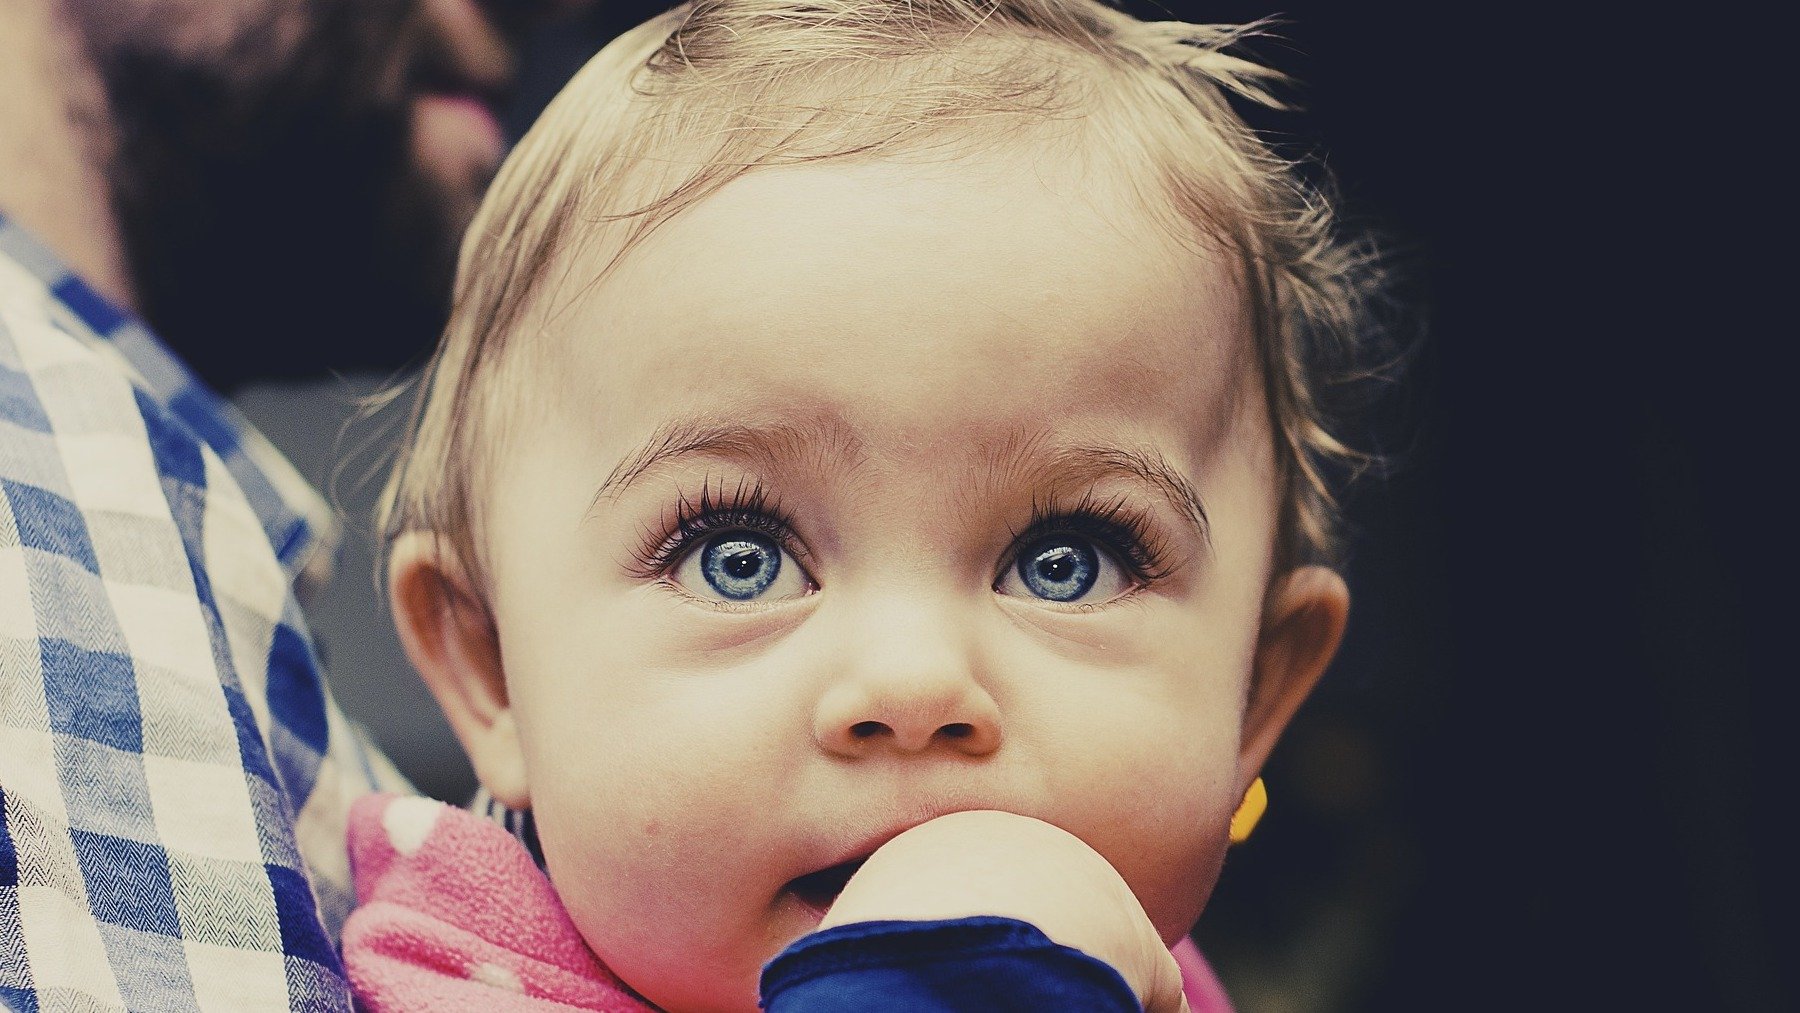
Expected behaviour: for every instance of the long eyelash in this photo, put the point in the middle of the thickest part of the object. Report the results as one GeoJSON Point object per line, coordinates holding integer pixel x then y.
{"type": "Point", "coordinates": [1118, 524]}
{"type": "Point", "coordinates": [747, 507]}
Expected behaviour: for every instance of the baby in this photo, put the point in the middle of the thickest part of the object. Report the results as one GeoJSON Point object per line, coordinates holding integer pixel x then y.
{"type": "Point", "coordinates": [874, 475]}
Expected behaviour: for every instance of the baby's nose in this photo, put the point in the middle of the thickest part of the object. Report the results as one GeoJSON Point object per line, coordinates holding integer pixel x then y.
{"type": "Point", "coordinates": [861, 717]}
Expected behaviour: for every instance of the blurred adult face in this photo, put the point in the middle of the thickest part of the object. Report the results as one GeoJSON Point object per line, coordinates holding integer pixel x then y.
{"type": "Point", "coordinates": [291, 176]}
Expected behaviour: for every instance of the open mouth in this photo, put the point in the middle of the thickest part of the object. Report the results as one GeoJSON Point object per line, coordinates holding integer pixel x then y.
{"type": "Point", "coordinates": [467, 115]}
{"type": "Point", "coordinates": [819, 890]}
{"type": "Point", "coordinates": [458, 79]}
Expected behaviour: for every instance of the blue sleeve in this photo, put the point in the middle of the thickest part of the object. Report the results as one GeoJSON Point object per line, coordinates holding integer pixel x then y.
{"type": "Point", "coordinates": [985, 963]}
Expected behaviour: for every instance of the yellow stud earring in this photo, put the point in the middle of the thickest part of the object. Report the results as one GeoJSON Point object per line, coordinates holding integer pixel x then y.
{"type": "Point", "coordinates": [1256, 799]}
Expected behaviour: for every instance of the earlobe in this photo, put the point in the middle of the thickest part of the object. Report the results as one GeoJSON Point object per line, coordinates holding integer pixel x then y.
{"type": "Point", "coordinates": [449, 635]}
{"type": "Point", "coordinates": [1302, 625]}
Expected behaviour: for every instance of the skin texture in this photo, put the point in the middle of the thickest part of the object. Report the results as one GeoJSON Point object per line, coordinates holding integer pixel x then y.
{"type": "Point", "coordinates": [907, 358]}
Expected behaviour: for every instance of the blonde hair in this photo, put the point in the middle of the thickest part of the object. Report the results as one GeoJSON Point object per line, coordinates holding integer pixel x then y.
{"type": "Point", "coordinates": [678, 107]}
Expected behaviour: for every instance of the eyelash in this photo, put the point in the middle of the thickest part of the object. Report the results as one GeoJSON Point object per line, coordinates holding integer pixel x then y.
{"type": "Point", "coordinates": [1126, 531]}
{"type": "Point", "coordinates": [748, 507]}
{"type": "Point", "coordinates": [1116, 524]}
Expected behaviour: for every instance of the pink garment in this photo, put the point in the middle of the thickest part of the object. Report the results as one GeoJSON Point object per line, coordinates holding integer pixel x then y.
{"type": "Point", "coordinates": [453, 915]}
{"type": "Point", "coordinates": [1198, 982]}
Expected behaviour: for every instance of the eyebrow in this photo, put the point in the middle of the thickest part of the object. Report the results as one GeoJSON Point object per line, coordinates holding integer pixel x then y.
{"type": "Point", "coordinates": [1081, 465]}
{"type": "Point", "coordinates": [763, 444]}
{"type": "Point", "coordinates": [769, 444]}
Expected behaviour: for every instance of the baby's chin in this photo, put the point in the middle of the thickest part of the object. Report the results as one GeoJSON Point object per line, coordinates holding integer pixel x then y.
{"type": "Point", "coordinates": [688, 989]}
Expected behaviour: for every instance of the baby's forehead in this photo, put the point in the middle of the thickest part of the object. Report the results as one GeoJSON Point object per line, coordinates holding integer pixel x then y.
{"type": "Point", "coordinates": [845, 291]}
{"type": "Point", "coordinates": [933, 301]}
{"type": "Point", "coordinates": [1018, 229]}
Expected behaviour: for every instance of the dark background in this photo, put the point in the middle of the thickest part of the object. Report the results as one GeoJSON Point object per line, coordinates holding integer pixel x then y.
{"type": "Point", "coordinates": [1544, 772]}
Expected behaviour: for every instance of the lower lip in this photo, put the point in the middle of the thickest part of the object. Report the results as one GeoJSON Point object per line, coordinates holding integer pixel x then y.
{"type": "Point", "coordinates": [812, 907]}
{"type": "Point", "coordinates": [466, 118]}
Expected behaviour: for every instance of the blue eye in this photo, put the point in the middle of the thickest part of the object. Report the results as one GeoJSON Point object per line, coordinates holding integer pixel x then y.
{"type": "Point", "coordinates": [1063, 568]}
{"type": "Point", "coordinates": [740, 566]}
{"type": "Point", "coordinates": [1059, 569]}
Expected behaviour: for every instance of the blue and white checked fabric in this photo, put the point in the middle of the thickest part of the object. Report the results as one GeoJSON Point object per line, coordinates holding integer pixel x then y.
{"type": "Point", "coordinates": [174, 776]}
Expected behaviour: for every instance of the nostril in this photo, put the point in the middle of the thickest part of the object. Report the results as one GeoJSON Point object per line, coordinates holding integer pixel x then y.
{"type": "Point", "coordinates": [867, 729]}
{"type": "Point", "coordinates": [957, 730]}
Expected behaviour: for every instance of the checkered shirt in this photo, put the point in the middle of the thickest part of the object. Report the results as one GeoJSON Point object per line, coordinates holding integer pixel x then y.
{"type": "Point", "coordinates": [174, 777]}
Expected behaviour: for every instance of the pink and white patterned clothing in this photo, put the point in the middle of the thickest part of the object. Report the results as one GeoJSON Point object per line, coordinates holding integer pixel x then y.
{"type": "Point", "coordinates": [455, 915]}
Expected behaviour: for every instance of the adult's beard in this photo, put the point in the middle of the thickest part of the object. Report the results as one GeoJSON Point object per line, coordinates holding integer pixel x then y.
{"type": "Point", "coordinates": [274, 222]}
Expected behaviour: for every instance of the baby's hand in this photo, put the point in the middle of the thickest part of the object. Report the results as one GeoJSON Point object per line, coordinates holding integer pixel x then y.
{"type": "Point", "coordinates": [998, 863]}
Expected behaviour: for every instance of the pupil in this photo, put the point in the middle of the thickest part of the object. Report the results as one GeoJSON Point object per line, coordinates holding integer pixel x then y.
{"type": "Point", "coordinates": [1060, 568]}
{"type": "Point", "coordinates": [743, 563]}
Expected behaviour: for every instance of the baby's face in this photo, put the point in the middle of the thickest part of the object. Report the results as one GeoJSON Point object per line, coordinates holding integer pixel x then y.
{"type": "Point", "coordinates": [864, 493]}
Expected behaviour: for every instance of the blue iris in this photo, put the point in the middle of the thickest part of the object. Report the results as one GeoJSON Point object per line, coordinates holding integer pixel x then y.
{"type": "Point", "coordinates": [1059, 568]}
{"type": "Point", "coordinates": [740, 565]}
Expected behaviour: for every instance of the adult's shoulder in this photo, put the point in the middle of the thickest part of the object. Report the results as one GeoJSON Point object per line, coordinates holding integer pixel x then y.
{"type": "Point", "coordinates": [173, 774]}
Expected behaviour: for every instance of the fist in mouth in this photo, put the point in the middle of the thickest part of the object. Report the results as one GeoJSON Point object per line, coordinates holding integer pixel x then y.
{"type": "Point", "coordinates": [998, 863]}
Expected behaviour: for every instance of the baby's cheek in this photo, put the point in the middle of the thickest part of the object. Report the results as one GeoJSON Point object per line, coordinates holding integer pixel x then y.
{"type": "Point", "coordinates": [1171, 869]}
{"type": "Point", "coordinates": [633, 933]}
{"type": "Point", "coordinates": [1166, 833]}
{"type": "Point", "coordinates": [659, 869]}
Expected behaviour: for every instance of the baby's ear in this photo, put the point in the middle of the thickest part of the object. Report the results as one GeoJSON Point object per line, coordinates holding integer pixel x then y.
{"type": "Point", "coordinates": [449, 634]}
{"type": "Point", "coordinates": [1302, 623]}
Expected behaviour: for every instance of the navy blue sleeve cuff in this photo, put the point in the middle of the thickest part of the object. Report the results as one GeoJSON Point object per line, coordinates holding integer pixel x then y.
{"type": "Point", "coordinates": [984, 963]}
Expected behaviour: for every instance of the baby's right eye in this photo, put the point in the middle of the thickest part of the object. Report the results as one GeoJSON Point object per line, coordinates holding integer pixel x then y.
{"type": "Point", "coordinates": [741, 566]}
